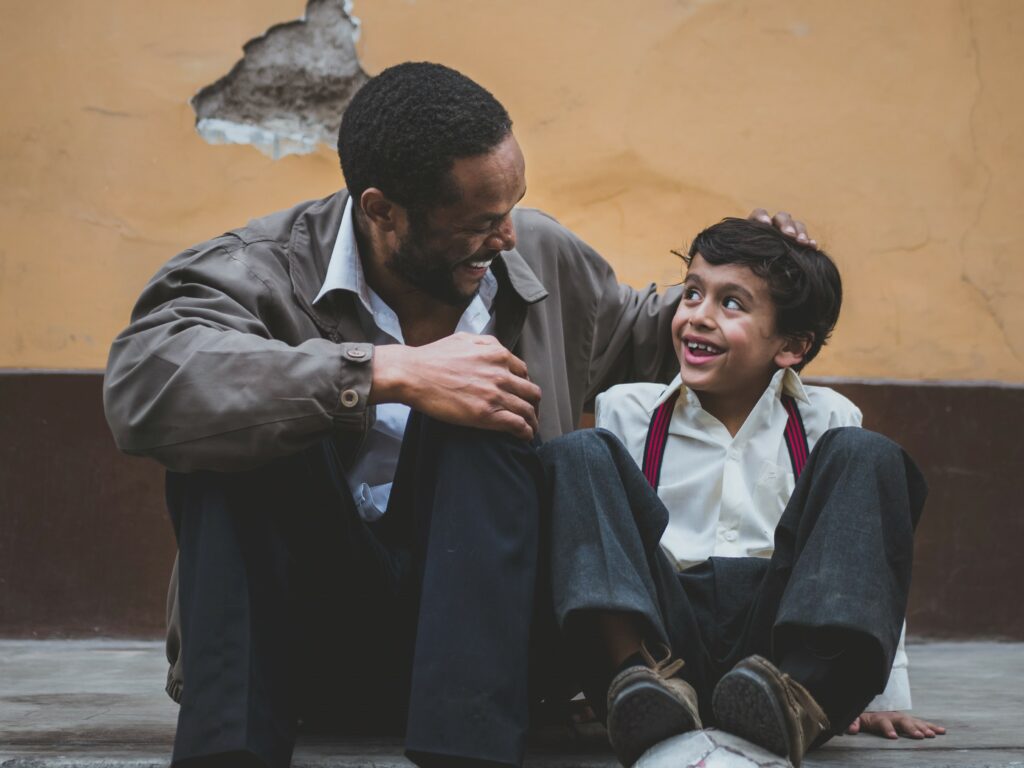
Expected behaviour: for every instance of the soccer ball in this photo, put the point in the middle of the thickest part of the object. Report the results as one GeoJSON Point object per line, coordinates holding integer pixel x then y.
{"type": "Point", "coordinates": [709, 749]}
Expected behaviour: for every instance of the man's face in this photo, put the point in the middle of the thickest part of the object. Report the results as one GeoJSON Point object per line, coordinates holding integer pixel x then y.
{"type": "Point", "coordinates": [724, 331]}
{"type": "Point", "coordinates": [446, 252]}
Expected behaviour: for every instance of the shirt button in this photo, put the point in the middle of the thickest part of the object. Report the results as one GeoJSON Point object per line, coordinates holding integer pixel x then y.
{"type": "Point", "coordinates": [730, 535]}
{"type": "Point", "coordinates": [734, 453]}
{"type": "Point", "coordinates": [349, 398]}
{"type": "Point", "coordinates": [356, 354]}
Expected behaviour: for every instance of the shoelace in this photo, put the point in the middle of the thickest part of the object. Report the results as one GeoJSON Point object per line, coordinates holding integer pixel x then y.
{"type": "Point", "coordinates": [665, 668]}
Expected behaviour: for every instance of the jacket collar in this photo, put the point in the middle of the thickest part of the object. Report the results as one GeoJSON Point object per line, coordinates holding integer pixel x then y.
{"type": "Point", "coordinates": [309, 254]}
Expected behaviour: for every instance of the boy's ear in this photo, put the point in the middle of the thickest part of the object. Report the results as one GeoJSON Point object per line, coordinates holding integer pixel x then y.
{"type": "Point", "coordinates": [792, 352]}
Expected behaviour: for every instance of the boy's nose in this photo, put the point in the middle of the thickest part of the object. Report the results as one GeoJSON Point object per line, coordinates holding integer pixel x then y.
{"type": "Point", "coordinates": [701, 316]}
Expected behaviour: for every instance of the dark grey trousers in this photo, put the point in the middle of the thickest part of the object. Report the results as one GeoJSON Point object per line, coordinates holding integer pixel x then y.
{"type": "Point", "coordinates": [843, 552]}
{"type": "Point", "coordinates": [293, 607]}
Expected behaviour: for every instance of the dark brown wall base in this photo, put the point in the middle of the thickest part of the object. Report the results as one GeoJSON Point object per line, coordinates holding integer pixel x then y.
{"type": "Point", "coordinates": [86, 546]}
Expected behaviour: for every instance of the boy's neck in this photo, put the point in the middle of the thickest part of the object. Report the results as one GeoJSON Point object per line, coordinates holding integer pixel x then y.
{"type": "Point", "coordinates": [732, 408]}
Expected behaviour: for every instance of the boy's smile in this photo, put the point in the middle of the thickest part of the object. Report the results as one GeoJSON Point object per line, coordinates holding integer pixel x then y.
{"type": "Point", "coordinates": [726, 339]}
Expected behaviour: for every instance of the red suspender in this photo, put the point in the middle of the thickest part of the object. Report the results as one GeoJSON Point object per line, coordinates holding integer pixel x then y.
{"type": "Point", "coordinates": [796, 437]}
{"type": "Point", "coordinates": [657, 437]}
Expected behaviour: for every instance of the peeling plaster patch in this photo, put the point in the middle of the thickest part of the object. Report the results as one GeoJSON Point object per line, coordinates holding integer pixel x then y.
{"type": "Point", "coordinates": [291, 86]}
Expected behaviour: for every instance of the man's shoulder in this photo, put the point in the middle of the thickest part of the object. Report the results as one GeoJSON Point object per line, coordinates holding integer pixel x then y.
{"type": "Point", "coordinates": [263, 242]}
{"type": "Point", "coordinates": [541, 239]}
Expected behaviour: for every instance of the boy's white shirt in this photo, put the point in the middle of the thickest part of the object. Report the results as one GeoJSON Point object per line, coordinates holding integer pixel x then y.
{"type": "Point", "coordinates": [725, 494]}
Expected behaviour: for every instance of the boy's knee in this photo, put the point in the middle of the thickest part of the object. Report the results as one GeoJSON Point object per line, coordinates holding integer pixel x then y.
{"type": "Point", "coordinates": [857, 443]}
{"type": "Point", "coordinates": [584, 444]}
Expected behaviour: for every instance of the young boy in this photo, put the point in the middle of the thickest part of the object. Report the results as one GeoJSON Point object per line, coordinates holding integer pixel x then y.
{"type": "Point", "coordinates": [733, 549]}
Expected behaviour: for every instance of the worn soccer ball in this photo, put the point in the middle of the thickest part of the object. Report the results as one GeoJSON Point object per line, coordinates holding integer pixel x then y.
{"type": "Point", "coordinates": [709, 749]}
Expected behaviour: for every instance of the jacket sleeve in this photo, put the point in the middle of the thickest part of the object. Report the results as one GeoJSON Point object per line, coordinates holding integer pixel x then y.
{"type": "Point", "coordinates": [632, 336]}
{"type": "Point", "coordinates": [197, 382]}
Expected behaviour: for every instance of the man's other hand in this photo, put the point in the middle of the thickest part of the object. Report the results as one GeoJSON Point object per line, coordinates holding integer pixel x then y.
{"type": "Point", "coordinates": [892, 725]}
{"type": "Point", "coordinates": [785, 223]}
{"type": "Point", "coordinates": [461, 379]}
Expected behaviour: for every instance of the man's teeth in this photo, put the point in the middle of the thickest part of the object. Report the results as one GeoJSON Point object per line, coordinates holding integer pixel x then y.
{"type": "Point", "coordinates": [480, 264]}
{"type": "Point", "coordinates": [705, 347]}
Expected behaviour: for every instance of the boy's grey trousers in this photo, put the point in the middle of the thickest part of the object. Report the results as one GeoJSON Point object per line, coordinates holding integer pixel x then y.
{"type": "Point", "coordinates": [842, 561]}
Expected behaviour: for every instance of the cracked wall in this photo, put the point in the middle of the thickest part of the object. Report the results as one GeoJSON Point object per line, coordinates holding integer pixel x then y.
{"type": "Point", "coordinates": [288, 91]}
{"type": "Point", "coordinates": [896, 129]}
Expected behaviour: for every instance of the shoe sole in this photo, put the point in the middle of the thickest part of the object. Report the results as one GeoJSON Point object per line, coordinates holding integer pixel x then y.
{"type": "Point", "coordinates": [745, 706]}
{"type": "Point", "coordinates": [644, 715]}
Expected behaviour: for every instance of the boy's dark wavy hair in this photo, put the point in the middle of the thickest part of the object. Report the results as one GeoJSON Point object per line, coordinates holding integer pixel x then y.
{"type": "Point", "coordinates": [802, 280]}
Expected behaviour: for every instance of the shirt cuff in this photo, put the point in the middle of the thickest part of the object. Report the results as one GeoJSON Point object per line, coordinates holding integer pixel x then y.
{"type": "Point", "coordinates": [896, 696]}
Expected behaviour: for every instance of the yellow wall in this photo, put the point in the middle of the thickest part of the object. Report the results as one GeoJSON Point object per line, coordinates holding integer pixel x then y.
{"type": "Point", "coordinates": [895, 128]}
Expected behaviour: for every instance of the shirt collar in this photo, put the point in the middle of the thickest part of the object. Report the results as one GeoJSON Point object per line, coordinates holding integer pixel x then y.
{"type": "Point", "coordinates": [784, 381]}
{"type": "Point", "coordinates": [345, 270]}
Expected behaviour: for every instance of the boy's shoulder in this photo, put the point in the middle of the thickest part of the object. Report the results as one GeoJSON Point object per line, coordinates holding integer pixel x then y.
{"type": "Point", "coordinates": [643, 393]}
{"type": "Point", "coordinates": [627, 406]}
{"type": "Point", "coordinates": [836, 409]}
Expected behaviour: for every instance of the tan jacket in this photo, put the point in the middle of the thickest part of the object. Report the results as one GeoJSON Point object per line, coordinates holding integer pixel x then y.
{"type": "Point", "coordinates": [227, 364]}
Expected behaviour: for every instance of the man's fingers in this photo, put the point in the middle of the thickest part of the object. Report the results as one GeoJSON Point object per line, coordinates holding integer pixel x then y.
{"type": "Point", "coordinates": [507, 421]}
{"type": "Point", "coordinates": [523, 410]}
{"type": "Point", "coordinates": [784, 223]}
{"type": "Point", "coordinates": [760, 214]}
{"type": "Point", "coordinates": [517, 366]}
{"type": "Point", "coordinates": [523, 389]}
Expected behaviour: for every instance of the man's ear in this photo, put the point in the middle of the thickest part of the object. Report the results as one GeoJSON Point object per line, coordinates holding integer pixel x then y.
{"type": "Point", "coordinates": [378, 210]}
{"type": "Point", "coordinates": [793, 350]}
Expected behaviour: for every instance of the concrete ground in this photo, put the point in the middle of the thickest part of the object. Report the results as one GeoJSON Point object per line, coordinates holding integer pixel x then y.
{"type": "Point", "coordinates": [101, 703]}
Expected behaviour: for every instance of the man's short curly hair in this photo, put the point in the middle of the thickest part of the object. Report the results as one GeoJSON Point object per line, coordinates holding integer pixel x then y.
{"type": "Point", "coordinates": [803, 281]}
{"type": "Point", "coordinates": [405, 128]}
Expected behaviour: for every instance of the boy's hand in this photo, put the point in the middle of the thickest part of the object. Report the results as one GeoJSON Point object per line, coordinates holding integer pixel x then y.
{"type": "Point", "coordinates": [785, 223]}
{"type": "Point", "coordinates": [892, 724]}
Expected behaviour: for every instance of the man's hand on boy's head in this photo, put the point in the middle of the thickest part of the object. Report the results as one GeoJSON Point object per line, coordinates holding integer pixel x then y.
{"type": "Point", "coordinates": [785, 223]}
{"type": "Point", "coordinates": [892, 725]}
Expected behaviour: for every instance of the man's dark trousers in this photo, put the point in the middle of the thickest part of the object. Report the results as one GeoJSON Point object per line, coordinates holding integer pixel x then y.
{"type": "Point", "coordinates": [294, 608]}
{"type": "Point", "coordinates": [841, 564]}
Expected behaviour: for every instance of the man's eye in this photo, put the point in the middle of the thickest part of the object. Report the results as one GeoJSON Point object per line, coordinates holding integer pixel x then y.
{"type": "Point", "coordinates": [731, 303]}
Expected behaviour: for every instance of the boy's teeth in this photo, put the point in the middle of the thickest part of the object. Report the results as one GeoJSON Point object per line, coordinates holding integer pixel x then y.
{"type": "Point", "coordinates": [695, 345]}
{"type": "Point", "coordinates": [481, 264]}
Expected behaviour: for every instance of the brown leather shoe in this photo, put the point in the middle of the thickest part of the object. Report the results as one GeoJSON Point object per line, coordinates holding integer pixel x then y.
{"type": "Point", "coordinates": [761, 704]}
{"type": "Point", "coordinates": [647, 705]}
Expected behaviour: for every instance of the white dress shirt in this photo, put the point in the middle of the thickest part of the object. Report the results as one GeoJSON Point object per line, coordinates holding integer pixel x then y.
{"type": "Point", "coordinates": [372, 472]}
{"type": "Point", "coordinates": [724, 493]}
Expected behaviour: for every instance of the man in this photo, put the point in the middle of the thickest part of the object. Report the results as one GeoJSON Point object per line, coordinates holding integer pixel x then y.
{"type": "Point", "coordinates": [272, 370]}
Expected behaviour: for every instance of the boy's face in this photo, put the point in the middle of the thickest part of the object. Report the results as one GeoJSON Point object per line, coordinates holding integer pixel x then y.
{"type": "Point", "coordinates": [724, 332]}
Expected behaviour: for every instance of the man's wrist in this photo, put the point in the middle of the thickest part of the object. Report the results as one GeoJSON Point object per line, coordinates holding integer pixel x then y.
{"type": "Point", "coordinates": [390, 383]}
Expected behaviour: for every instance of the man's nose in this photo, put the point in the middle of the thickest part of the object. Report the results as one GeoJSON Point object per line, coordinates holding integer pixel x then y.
{"type": "Point", "coordinates": [504, 236]}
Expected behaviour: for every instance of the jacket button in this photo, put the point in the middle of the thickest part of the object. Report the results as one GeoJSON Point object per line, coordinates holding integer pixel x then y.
{"type": "Point", "coordinates": [356, 354]}
{"type": "Point", "coordinates": [349, 398]}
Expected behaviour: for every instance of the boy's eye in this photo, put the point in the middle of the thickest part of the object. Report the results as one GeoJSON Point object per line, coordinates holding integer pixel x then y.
{"type": "Point", "coordinates": [732, 303]}
{"type": "Point", "coordinates": [690, 293]}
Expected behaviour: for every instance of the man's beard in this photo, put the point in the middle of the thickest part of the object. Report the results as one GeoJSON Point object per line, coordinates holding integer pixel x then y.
{"type": "Point", "coordinates": [429, 273]}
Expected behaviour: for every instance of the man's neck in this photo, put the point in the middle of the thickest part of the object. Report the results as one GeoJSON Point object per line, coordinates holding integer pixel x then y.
{"type": "Point", "coordinates": [423, 319]}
